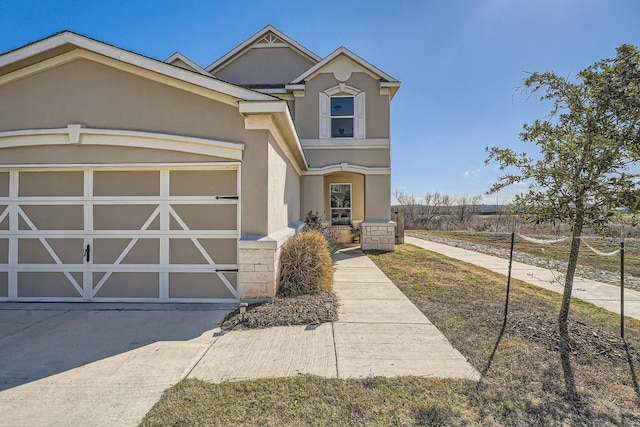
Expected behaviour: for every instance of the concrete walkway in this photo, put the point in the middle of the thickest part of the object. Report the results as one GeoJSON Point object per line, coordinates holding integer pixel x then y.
{"type": "Point", "coordinates": [380, 333]}
{"type": "Point", "coordinates": [599, 294]}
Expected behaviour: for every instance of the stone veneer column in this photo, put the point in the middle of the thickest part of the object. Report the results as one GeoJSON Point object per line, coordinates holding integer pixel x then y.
{"type": "Point", "coordinates": [378, 235]}
{"type": "Point", "coordinates": [258, 262]}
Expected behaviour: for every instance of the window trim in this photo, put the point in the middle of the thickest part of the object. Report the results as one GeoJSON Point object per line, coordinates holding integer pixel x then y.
{"type": "Point", "coordinates": [350, 208]}
{"type": "Point", "coordinates": [359, 111]}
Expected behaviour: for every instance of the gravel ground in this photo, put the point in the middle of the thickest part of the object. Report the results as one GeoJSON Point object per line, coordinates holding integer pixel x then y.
{"type": "Point", "coordinates": [559, 266]}
{"type": "Point", "coordinates": [284, 311]}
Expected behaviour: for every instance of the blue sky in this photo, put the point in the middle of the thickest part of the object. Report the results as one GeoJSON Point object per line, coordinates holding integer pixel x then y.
{"type": "Point", "coordinates": [460, 61]}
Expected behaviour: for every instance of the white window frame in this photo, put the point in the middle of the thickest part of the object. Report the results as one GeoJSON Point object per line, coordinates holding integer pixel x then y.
{"type": "Point", "coordinates": [359, 111]}
{"type": "Point", "coordinates": [350, 208]}
{"type": "Point", "coordinates": [352, 117]}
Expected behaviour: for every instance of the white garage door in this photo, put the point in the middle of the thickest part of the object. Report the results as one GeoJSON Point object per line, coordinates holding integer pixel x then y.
{"type": "Point", "coordinates": [161, 234]}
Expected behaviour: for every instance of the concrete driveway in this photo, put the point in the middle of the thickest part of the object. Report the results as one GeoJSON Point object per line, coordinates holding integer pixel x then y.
{"type": "Point", "coordinates": [95, 367]}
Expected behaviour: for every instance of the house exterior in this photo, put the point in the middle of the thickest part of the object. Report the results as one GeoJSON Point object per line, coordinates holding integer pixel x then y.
{"type": "Point", "coordinates": [124, 178]}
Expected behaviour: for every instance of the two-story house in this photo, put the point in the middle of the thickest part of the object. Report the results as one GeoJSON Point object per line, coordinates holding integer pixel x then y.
{"type": "Point", "coordinates": [124, 178]}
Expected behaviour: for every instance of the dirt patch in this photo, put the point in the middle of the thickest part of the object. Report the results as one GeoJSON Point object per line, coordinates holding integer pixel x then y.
{"type": "Point", "coordinates": [588, 343]}
{"type": "Point", "coordinates": [284, 311]}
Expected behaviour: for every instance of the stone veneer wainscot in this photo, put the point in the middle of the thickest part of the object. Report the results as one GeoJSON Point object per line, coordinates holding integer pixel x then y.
{"type": "Point", "coordinates": [378, 235]}
{"type": "Point", "coordinates": [258, 263]}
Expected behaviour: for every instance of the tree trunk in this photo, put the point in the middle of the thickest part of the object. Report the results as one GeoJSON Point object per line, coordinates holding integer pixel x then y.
{"type": "Point", "coordinates": [571, 267]}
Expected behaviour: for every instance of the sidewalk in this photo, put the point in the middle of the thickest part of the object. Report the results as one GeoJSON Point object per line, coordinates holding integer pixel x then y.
{"type": "Point", "coordinates": [380, 333]}
{"type": "Point", "coordinates": [599, 294]}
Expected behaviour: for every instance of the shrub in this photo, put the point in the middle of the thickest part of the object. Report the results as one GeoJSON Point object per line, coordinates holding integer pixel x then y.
{"type": "Point", "coordinates": [313, 223]}
{"type": "Point", "coordinates": [305, 265]}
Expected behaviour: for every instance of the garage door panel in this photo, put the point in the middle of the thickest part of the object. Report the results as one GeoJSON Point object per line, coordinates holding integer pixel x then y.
{"type": "Point", "coordinates": [143, 251]}
{"type": "Point", "coordinates": [4, 251]}
{"type": "Point", "coordinates": [107, 251]}
{"type": "Point", "coordinates": [126, 183]}
{"type": "Point", "coordinates": [204, 217]}
{"type": "Point", "coordinates": [69, 251]}
{"type": "Point", "coordinates": [200, 285]}
{"type": "Point", "coordinates": [222, 251]}
{"type": "Point", "coordinates": [38, 284]}
{"type": "Point", "coordinates": [129, 285]}
{"type": "Point", "coordinates": [203, 183]}
{"type": "Point", "coordinates": [155, 224]}
{"type": "Point", "coordinates": [122, 217]}
{"type": "Point", "coordinates": [33, 251]}
{"type": "Point", "coordinates": [51, 184]}
{"type": "Point", "coordinates": [4, 184]}
{"type": "Point", "coordinates": [4, 284]}
{"type": "Point", "coordinates": [4, 217]}
{"type": "Point", "coordinates": [37, 251]}
{"type": "Point", "coordinates": [184, 251]}
{"type": "Point", "coordinates": [52, 217]}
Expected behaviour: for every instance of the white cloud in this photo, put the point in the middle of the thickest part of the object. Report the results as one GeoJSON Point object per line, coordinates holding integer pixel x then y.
{"type": "Point", "coordinates": [475, 173]}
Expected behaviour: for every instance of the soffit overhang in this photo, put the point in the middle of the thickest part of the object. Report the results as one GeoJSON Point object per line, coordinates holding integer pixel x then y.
{"type": "Point", "coordinates": [275, 117]}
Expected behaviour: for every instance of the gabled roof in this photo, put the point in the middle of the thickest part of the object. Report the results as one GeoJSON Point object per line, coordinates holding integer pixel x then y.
{"type": "Point", "coordinates": [67, 38]}
{"type": "Point", "coordinates": [254, 39]}
{"type": "Point", "coordinates": [178, 57]}
{"type": "Point", "coordinates": [346, 52]}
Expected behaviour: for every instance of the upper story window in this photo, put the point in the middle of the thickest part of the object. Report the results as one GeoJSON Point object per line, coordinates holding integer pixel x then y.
{"type": "Point", "coordinates": [342, 116]}
{"type": "Point", "coordinates": [342, 113]}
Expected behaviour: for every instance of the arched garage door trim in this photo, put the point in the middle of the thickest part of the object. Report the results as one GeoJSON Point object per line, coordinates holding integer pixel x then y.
{"type": "Point", "coordinates": [155, 232]}
{"type": "Point", "coordinates": [77, 134]}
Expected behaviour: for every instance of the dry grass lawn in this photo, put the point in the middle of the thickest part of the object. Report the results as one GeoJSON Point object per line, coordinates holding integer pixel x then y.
{"type": "Point", "coordinates": [529, 379]}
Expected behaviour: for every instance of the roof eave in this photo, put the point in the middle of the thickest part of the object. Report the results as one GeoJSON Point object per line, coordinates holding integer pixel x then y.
{"type": "Point", "coordinates": [189, 62]}
{"type": "Point", "coordinates": [132, 58]}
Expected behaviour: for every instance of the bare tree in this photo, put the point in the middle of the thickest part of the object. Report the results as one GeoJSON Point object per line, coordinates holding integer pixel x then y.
{"type": "Point", "coordinates": [467, 207]}
{"type": "Point", "coordinates": [409, 205]}
{"type": "Point", "coordinates": [435, 204]}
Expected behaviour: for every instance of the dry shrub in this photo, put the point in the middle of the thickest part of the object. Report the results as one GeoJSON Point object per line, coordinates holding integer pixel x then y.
{"type": "Point", "coordinates": [305, 265]}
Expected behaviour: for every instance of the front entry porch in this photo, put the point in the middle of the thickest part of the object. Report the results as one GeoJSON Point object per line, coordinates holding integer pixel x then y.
{"type": "Point", "coordinates": [350, 201]}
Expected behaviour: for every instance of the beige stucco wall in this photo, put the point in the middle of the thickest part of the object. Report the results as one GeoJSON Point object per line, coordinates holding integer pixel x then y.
{"type": "Point", "coordinates": [312, 196]}
{"type": "Point", "coordinates": [255, 190]}
{"type": "Point", "coordinates": [378, 197]}
{"type": "Point", "coordinates": [99, 96]}
{"type": "Point", "coordinates": [378, 157]}
{"type": "Point", "coordinates": [357, 193]}
{"type": "Point", "coordinates": [284, 190]}
{"type": "Point", "coordinates": [103, 97]}
{"type": "Point", "coordinates": [265, 66]}
{"type": "Point", "coordinates": [376, 107]}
